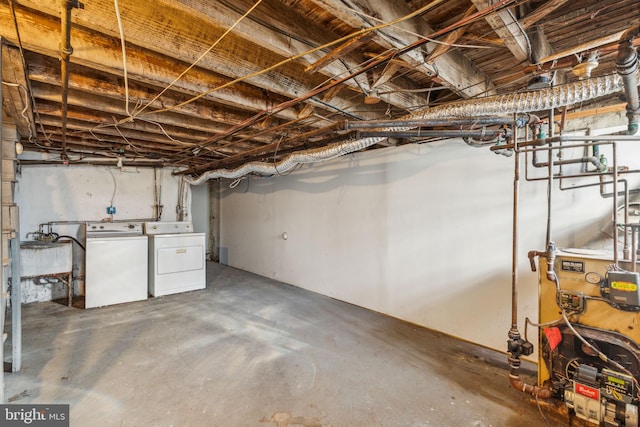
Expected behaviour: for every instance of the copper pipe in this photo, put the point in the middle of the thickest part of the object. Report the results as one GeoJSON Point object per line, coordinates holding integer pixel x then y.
{"type": "Point", "coordinates": [514, 248]}
{"type": "Point", "coordinates": [519, 384]}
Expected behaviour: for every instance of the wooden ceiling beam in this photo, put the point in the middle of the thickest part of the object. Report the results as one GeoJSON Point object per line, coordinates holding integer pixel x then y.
{"type": "Point", "coordinates": [88, 128]}
{"type": "Point", "coordinates": [340, 52]}
{"type": "Point", "coordinates": [508, 29]}
{"type": "Point", "coordinates": [41, 33]}
{"type": "Point", "coordinates": [15, 90]}
{"type": "Point", "coordinates": [452, 69]}
{"type": "Point", "coordinates": [91, 120]}
{"type": "Point", "coordinates": [133, 149]}
{"type": "Point", "coordinates": [116, 110]}
{"type": "Point", "coordinates": [450, 38]}
{"type": "Point", "coordinates": [263, 27]}
{"type": "Point", "coordinates": [147, 27]}
{"type": "Point", "coordinates": [108, 86]}
{"type": "Point", "coordinates": [584, 47]}
{"type": "Point", "coordinates": [540, 13]}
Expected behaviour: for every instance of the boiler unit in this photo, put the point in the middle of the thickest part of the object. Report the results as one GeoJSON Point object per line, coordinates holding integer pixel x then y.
{"type": "Point", "coordinates": [589, 352]}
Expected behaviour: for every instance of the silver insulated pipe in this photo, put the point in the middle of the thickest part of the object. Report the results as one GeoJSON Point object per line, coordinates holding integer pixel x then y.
{"type": "Point", "coordinates": [524, 102]}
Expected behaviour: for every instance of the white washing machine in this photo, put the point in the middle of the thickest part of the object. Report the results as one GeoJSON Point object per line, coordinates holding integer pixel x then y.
{"type": "Point", "coordinates": [116, 269]}
{"type": "Point", "coordinates": [176, 258]}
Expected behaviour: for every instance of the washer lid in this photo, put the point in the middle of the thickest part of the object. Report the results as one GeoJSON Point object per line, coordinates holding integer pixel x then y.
{"type": "Point", "coordinates": [167, 227]}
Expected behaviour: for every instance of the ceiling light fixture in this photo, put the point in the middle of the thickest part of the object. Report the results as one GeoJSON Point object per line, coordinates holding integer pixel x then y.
{"type": "Point", "coordinates": [19, 148]}
{"type": "Point", "coordinates": [583, 69]}
{"type": "Point", "coordinates": [372, 97]}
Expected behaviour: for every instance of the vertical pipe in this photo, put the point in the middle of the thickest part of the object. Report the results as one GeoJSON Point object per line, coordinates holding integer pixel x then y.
{"type": "Point", "coordinates": [550, 173]}
{"type": "Point", "coordinates": [156, 204]}
{"type": "Point", "coordinates": [514, 249]}
{"type": "Point", "coordinates": [625, 249]}
{"type": "Point", "coordinates": [2, 271]}
{"type": "Point", "coordinates": [634, 250]}
{"type": "Point", "coordinates": [16, 297]}
{"type": "Point", "coordinates": [616, 255]}
{"type": "Point", "coordinates": [65, 52]}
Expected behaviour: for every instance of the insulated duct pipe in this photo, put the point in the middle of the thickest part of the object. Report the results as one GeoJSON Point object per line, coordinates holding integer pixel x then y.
{"type": "Point", "coordinates": [627, 66]}
{"type": "Point", "coordinates": [446, 133]}
{"type": "Point", "coordinates": [543, 99]}
{"type": "Point", "coordinates": [183, 208]}
{"type": "Point", "coordinates": [477, 121]}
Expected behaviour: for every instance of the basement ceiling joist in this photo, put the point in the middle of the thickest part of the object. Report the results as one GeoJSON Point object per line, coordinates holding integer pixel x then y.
{"type": "Point", "coordinates": [218, 84]}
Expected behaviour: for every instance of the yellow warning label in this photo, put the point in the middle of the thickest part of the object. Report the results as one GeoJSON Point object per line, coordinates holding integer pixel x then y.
{"type": "Point", "coordinates": [624, 286]}
{"type": "Point", "coordinates": [615, 380]}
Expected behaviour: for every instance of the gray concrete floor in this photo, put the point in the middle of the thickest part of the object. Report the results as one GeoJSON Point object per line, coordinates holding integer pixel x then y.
{"type": "Point", "coordinates": [250, 351]}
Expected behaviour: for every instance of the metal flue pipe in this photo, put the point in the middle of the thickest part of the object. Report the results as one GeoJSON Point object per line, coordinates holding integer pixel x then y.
{"type": "Point", "coordinates": [627, 66]}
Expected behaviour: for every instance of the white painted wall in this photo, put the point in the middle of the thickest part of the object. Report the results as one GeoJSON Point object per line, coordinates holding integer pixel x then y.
{"type": "Point", "coordinates": [82, 193]}
{"type": "Point", "coordinates": [420, 232]}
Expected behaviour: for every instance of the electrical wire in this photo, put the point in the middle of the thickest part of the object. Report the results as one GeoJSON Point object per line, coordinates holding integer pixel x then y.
{"type": "Point", "coordinates": [236, 182]}
{"type": "Point", "coordinates": [275, 153]}
{"type": "Point", "coordinates": [522, 32]}
{"type": "Point", "coordinates": [546, 421]}
{"type": "Point", "coordinates": [202, 55]}
{"type": "Point", "coordinates": [30, 92]}
{"type": "Point", "coordinates": [165, 132]}
{"type": "Point", "coordinates": [326, 45]}
{"type": "Point", "coordinates": [528, 322]}
{"type": "Point", "coordinates": [26, 105]}
{"type": "Point", "coordinates": [422, 36]}
{"type": "Point", "coordinates": [115, 188]}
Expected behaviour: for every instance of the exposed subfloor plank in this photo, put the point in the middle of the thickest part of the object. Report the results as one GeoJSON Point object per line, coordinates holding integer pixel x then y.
{"type": "Point", "coordinates": [250, 351]}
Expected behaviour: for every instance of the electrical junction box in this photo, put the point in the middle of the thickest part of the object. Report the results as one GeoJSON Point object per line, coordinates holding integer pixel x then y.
{"type": "Point", "coordinates": [572, 301]}
{"type": "Point", "coordinates": [623, 288]}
